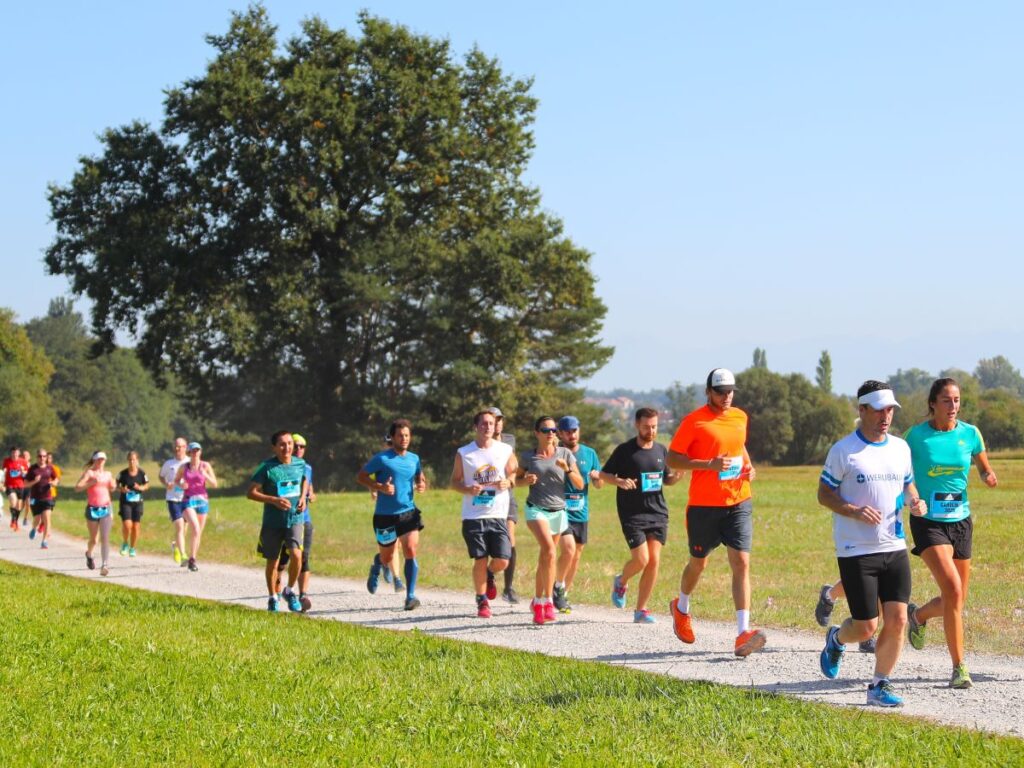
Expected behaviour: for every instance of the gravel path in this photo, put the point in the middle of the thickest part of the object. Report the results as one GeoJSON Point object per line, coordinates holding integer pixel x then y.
{"type": "Point", "coordinates": [788, 664]}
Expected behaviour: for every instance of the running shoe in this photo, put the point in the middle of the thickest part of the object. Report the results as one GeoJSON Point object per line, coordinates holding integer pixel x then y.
{"type": "Point", "coordinates": [175, 553]}
{"type": "Point", "coordinates": [306, 602]}
{"type": "Point", "coordinates": [832, 655]}
{"type": "Point", "coordinates": [124, 549]}
{"type": "Point", "coordinates": [272, 604]}
{"type": "Point", "coordinates": [681, 623]}
{"type": "Point", "coordinates": [131, 552]}
{"type": "Point", "coordinates": [42, 526]}
{"type": "Point", "coordinates": [549, 611]}
{"type": "Point", "coordinates": [560, 599]}
{"type": "Point", "coordinates": [538, 612]}
{"type": "Point", "coordinates": [192, 565]}
{"type": "Point", "coordinates": [915, 628]}
{"type": "Point", "coordinates": [961, 677]}
{"type": "Point", "coordinates": [411, 603]}
{"type": "Point", "coordinates": [750, 641]}
{"type": "Point", "coordinates": [883, 695]}
{"type": "Point", "coordinates": [32, 534]}
{"type": "Point", "coordinates": [44, 545]}
{"type": "Point", "coordinates": [14, 525]}
{"type": "Point", "coordinates": [618, 593]}
{"type": "Point", "coordinates": [867, 646]}
{"type": "Point", "coordinates": [386, 573]}
{"type": "Point", "coordinates": [823, 610]}
{"type": "Point", "coordinates": [89, 562]}
{"type": "Point", "coordinates": [510, 596]}
{"type": "Point", "coordinates": [374, 578]}
{"type": "Point", "coordinates": [483, 607]}
{"type": "Point", "coordinates": [184, 562]}
{"type": "Point", "coordinates": [104, 570]}
{"type": "Point", "coordinates": [492, 588]}
{"type": "Point", "coordinates": [293, 600]}
{"type": "Point", "coordinates": [399, 585]}
{"type": "Point", "coordinates": [644, 616]}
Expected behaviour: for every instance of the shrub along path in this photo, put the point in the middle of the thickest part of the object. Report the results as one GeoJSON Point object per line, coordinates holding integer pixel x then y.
{"type": "Point", "coordinates": [788, 665]}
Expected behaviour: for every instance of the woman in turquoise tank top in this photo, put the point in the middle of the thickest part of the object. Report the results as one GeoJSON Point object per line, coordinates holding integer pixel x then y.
{"type": "Point", "coordinates": [943, 448]}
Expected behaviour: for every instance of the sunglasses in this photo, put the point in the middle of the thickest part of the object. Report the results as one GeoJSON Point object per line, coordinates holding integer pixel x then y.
{"type": "Point", "coordinates": [547, 430]}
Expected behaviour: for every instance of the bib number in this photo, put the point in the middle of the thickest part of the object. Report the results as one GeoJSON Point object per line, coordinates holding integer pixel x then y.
{"type": "Point", "coordinates": [15, 473]}
{"type": "Point", "coordinates": [386, 536]}
{"type": "Point", "coordinates": [289, 489]}
{"type": "Point", "coordinates": [132, 497]}
{"type": "Point", "coordinates": [485, 499]}
{"type": "Point", "coordinates": [735, 467]}
{"type": "Point", "coordinates": [945, 505]}
{"type": "Point", "coordinates": [97, 513]}
{"type": "Point", "coordinates": [574, 502]}
{"type": "Point", "coordinates": [650, 482]}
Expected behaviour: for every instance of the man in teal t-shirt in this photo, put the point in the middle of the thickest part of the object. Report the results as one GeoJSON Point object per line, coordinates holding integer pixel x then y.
{"type": "Point", "coordinates": [279, 484]}
{"type": "Point", "coordinates": [577, 508]}
{"type": "Point", "coordinates": [942, 462]}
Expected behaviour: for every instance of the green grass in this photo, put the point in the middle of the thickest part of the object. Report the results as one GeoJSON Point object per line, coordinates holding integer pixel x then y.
{"type": "Point", "coordinates": [97, 674]}
{"type": "Point", "coordinates": [793, 553]}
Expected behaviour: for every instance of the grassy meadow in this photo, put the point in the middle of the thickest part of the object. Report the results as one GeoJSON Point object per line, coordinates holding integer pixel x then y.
{"type": "Point", "coordinates": [792, 556]}
{"type": "Point", "coordinates": [96, 675]}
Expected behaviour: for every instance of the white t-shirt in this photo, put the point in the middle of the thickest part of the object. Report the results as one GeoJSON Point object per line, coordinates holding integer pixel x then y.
{"type": "Point", "coordinates": [485, 466]}
{"type": "Point", "coordinates": [167, 473]}
{"type": "Point", "coordinates": [874, 475]}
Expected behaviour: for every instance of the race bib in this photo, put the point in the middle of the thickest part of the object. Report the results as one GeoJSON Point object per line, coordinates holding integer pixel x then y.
{"type": "Point", "coordinates": [650, 482]}
{"type": "Point", "coordinates": [484, 499]}
{"type": "Point", "coordinates": [386, 536]}
{"type": "Point", "coordinates": [897, 525]}
{"type": "Point", "coordinates": [97, 513]}
{"type": "Point", "coordinates": [945, 504]}
{"type": "Point", "coordinates": [199, 503]}
{"type": "Point", "coordinates": [735, 467]}
{"type": "Point", "coordinates": [132, 497]}
{"type": "Point", "coordinates": [15, 473]}
{"type": "Point", "coordinates": [289, 489]}
{"type": "Point", "coordinates": [574, 502]}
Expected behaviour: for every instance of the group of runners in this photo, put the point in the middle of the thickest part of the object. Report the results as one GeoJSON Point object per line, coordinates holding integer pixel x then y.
{"type": "Point", "coordinates": [868, 479]}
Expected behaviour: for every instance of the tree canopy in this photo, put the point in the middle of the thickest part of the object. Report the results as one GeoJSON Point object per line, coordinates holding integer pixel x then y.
{"type": "Point", "coordinates": [332, 233]}
{"type": "Point", "coordinates": [27, 416]}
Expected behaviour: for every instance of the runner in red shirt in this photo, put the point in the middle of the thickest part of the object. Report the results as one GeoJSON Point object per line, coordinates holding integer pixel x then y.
{"type": "Point", "coordinates": [15, 469]}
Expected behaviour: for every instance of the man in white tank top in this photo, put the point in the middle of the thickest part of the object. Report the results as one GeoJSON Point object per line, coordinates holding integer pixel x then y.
{"type": "Point", "coordinates": [483, 473]}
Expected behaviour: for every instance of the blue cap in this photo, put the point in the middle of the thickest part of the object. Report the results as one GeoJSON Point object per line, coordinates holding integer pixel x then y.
{"type": "Point", "coordinates": [194, 447]}
{"type": "Point", "coordinates": [567, 423]}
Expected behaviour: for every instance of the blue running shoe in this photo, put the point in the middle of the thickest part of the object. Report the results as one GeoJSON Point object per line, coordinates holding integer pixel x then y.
{"type": "Point", "coordinates": [374, 578]}
{"type": "Point", "coordinates": [399, 585]}
{"type": "Point", "coordinates": [883, 695]}
{"type": "Point", "coordinates": [387, 575]}
{"type": "Point", "coordinates": [618, 593]}
{"type": "Point", "coordinates": [832, 654]}
{"type": "Point", "coordinates": [294, 604]}
{"type": "Point", "coordinates": [32, 534]}
{"type": "Point", "coordinates": [272, 604]}
{"type": "Point", "coordinates": [643, 616]}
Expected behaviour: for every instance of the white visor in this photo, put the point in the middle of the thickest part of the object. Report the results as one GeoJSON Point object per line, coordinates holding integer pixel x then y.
{"type": "Point", "coordinates": [878, 400]}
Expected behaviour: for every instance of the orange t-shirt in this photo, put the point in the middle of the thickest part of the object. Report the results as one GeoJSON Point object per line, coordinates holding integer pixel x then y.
{"type": "Point", "coordinates": [704, 434]}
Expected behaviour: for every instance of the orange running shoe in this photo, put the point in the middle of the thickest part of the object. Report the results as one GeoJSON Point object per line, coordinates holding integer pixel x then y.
{"type": "Point", "coordinates": [681, 622]}
{"type": "Point", "coordinates": [750, 641]}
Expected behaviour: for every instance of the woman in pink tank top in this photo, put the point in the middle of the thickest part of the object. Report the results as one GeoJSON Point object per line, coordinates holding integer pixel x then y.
{"type": "Point", "coordinates": [194, 476]}
{"type": "Point", "coordinates": [97, 483]}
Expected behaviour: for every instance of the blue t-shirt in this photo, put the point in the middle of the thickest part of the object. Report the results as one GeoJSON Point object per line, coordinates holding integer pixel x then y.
{"type": "Point", "coordinates": [402, 471]}
{"type": "Point", "coordinates": [942, 463]}
{"type": "Point", "coordinates": [277, 479]}
{"type": "Point", "coordinates": [309, 487]}
{"type": "Point", "coordinates": [577, 503]}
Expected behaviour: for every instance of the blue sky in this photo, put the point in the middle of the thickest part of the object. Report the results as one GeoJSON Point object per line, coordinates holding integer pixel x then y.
{"type": "Point", "coordinates": [796, 176]}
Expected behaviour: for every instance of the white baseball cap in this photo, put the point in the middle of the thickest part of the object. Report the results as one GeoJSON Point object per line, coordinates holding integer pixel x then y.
{"type": "Point", "coordinates": [721, 377]}
{"type": "Point", "coordinates": [99, 455]}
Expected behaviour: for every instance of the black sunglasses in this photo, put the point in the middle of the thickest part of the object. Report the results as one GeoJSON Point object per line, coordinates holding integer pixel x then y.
{"type": "Point", "coordinates": [547, 430]}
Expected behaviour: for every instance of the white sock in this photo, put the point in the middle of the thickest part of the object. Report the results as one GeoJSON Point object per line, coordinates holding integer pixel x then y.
{"type": "Point", "coordinates": [877, 679]}
{"type": "Point", "coordinates": [684, 603]}
{"type": "Point", "coordinates": [559, 585]}
{"type": "Point", "coordinates": [742, 621]}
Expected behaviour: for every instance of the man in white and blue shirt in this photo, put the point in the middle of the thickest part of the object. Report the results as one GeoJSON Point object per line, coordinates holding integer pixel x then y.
{"type": "Point", "coordinates": [866, 481]}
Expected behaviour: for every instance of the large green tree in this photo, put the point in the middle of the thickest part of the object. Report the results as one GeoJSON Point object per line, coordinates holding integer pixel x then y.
{"type": "Point", "coordinates": [332, 233]}
{"type": "Point", "coordinates": [27, 416]}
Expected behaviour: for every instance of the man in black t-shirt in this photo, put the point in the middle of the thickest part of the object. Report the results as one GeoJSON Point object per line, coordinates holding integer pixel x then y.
{"type": "Point", "coordinates": [638, 470]}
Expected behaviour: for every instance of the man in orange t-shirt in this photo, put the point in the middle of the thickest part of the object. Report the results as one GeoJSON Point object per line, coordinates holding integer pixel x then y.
{"type": "Point", "coordinates": [711, 443]}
